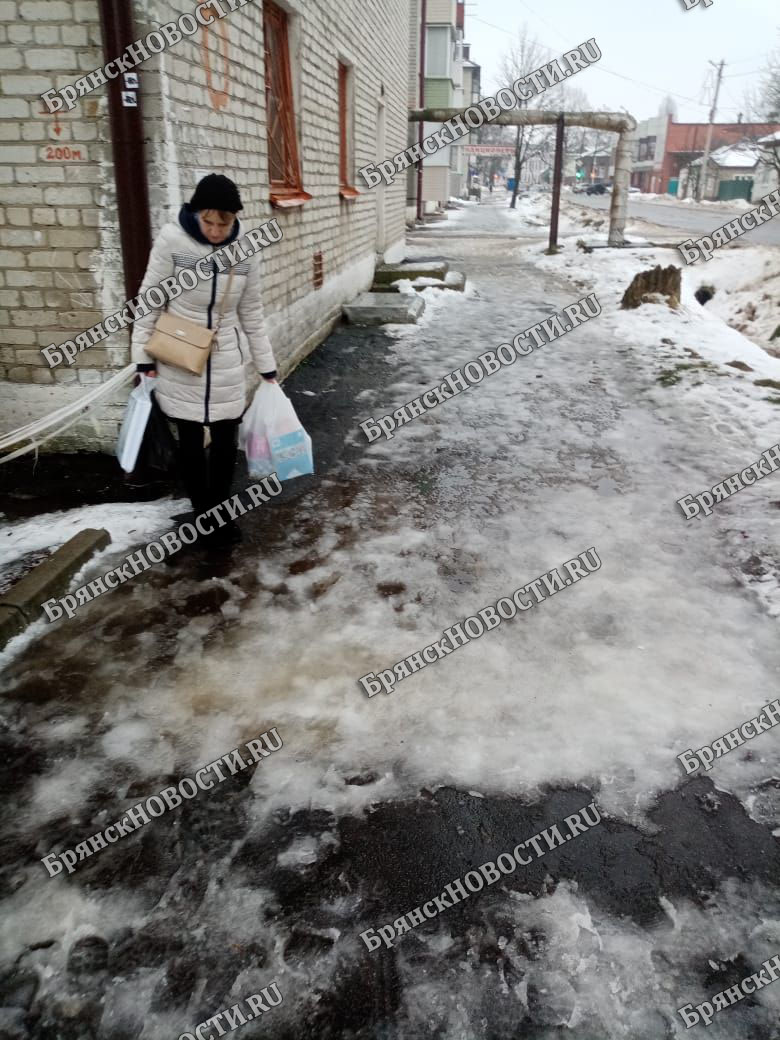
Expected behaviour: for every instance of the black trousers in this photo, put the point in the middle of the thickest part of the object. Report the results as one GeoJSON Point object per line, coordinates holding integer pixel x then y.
{"type": "Point", "coordinates": [207, 473]}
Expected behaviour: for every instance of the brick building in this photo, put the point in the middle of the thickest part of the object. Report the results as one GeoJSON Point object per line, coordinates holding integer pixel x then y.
{"type": "Point", "coordinates": [202, 105]}
{"type": "Point", "coordinates": [685, 142]}
{"type": "Point", "coordinates": [665, 148]}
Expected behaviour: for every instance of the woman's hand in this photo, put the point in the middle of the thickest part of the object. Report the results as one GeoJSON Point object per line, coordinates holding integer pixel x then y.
{"type": "Point", "coordinates": [137, 380]}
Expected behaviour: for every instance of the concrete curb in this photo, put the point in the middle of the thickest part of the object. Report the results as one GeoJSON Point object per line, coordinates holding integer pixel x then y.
{"type": "Point", "coordinates": [21, 605]}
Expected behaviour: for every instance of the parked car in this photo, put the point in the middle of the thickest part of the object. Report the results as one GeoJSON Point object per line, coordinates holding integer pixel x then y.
{"type": "Point", "coordinates": [632, 190]}
{"type": "Point", "coordinates": [596, 189]}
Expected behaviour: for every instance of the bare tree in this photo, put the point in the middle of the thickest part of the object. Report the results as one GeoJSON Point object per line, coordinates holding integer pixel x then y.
{"type": "Point", "coordinates": [770, 87]}
{"type": "Point", "coordinates": [762, 105]}
{"type": "Point", "coordinates": [769, 151]}
{"type": "Point", "coordinates": [523, 57]}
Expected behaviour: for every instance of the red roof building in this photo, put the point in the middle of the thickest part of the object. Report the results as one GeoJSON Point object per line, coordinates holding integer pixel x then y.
{"type": "Point", "coordinates": [685, 142]}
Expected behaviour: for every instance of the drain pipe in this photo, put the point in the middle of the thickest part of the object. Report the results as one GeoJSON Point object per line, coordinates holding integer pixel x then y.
{"type": "Point", "coordinates": [127, 140]}
{"type": "Point", "coordinates": [423, 41]}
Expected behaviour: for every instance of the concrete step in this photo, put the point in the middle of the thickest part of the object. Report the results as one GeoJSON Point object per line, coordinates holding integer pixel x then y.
{"type": "Point", "coordinates": [392, 272]}
{"type": "Point", "coordinates": [22, 603]}
{"type": "Point", "coordinates": [385, 308]}
{"type": "Point", "coordinates": [454, 280]}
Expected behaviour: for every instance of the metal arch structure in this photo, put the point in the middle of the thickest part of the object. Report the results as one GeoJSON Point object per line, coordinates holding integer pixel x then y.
{"type": "Point", "coordinates": [620, 123]}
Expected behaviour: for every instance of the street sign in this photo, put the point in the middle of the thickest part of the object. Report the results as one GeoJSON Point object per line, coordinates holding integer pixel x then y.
{"type": "Point", "coordinates": [489, 150]}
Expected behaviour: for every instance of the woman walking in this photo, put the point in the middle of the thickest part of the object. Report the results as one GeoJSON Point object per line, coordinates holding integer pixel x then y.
{"type": "Point", "coordinates": [217, 398]}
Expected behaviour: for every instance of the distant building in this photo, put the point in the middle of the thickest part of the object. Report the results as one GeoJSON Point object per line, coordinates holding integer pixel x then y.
{"type": "Point", "coordinates": [472, 93]}
{"type": "Point", "coordinates": [598, 166]}
{"type": "Point", "coordinates": [452, 80]}
{"type": "Point", "coordinates": [730, 174]}
{"type": "Point", "coordinates": [685, 143]}
{"type": "Point", "coordinates": [647, 172]}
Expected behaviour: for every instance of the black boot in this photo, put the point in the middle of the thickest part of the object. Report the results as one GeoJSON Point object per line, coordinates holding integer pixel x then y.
{"type": "Point", "coordinates": [226, 536]}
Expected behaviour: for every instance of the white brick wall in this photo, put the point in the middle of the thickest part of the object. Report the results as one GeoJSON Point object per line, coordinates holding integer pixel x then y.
{"type": "Point", "coordinates": [50, 262]}
{"type": "Point", "coordinates": [58, 229]}
{"type": "Point", "coordinates": [414, 53]}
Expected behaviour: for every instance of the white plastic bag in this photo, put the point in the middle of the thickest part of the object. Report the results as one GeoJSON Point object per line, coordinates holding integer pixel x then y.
{"type": "Point", "coordinates": [139, 408]}
{"type": "Point", "coordinates": [273, 438]}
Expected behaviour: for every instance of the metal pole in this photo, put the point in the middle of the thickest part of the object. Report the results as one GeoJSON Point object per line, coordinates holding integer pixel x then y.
{"type": "Point", "coordinates": [557, 181]}
{"type": "Point", "coordinates": [700, 187]}
{"type": "Point", "coordinates": [421, 133]}
{"type": "Point", "coordinates": [127, 142]}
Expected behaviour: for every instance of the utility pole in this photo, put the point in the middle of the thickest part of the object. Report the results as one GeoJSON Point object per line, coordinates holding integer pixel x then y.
{"type": "Point", "coordinates": [557, 181]}
{"type": "Point", "coordinates": [706, 157]}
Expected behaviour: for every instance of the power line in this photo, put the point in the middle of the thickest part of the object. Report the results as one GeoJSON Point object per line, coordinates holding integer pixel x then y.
{"type": "Point", "coordinates": [541, 19]}
{"type": "Point", "coordinates": [649, 86]}
{"type": "Point", "coordinates": [611, 72]}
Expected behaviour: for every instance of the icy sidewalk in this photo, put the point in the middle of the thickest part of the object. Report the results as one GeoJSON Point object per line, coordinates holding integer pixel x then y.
{"type": "Point", "coordinates": [372, 803]}
{"type": "Point", "coordinates": [724, 378]}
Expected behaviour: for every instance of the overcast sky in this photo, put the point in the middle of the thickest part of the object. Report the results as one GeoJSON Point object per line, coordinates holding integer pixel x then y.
{"type": "Point", "coordinates": [658, 45]}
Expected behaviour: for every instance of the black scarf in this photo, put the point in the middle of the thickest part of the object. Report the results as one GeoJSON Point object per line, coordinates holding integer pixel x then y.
{"type": "Point", "coordinates": [188, 219]}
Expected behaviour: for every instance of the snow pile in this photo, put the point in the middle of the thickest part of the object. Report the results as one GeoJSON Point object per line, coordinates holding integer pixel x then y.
{"type": "Point", "coordinates": [129, 524]}
{"type": "Point", "coordinates": [746, 280]}
{"type": "Point", "coordinates": [661, 199]}
{"type": "Point", "coordinates": [534, 211]}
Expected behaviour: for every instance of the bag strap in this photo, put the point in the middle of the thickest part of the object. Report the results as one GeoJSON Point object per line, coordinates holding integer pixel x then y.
{"type": "Point", "coordinates": [224, 299]}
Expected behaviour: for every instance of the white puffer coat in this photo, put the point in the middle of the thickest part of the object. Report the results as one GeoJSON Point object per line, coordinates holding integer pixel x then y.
{"type": "Point", "coordinates": [220, 393]}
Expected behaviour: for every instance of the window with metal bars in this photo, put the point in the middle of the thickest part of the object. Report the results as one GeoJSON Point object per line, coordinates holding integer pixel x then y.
{"type": "Point", "coordinates": [284, 167]}
{"type": "Point", "coordinates": [346, 188]}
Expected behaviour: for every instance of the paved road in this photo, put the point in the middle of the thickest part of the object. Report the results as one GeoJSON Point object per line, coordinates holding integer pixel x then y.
{"type": "Point", "coordinates": [694, 222]}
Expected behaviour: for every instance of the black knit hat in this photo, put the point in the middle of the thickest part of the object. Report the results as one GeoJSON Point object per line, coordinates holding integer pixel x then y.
{"type": "Point", "coordinates": [216, 192]}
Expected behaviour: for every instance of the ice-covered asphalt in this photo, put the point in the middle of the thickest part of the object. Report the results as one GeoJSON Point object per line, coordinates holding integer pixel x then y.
{"type": "Point", "coordinates": [373, 806]}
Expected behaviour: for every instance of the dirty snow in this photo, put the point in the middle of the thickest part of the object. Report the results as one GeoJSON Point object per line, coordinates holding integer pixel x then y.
{"type": "Point", "coordinates": [705, 204]}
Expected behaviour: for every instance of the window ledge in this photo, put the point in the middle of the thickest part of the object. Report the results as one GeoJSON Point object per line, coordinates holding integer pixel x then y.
{"type": "Point", "coordinates": [289, 200]}
{"type": "Point", "coordinates": [348, 193]}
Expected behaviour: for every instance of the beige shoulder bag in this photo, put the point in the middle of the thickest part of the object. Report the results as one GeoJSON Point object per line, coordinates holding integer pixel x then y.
{"type": "Point", "coordinates": [184, 343]}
